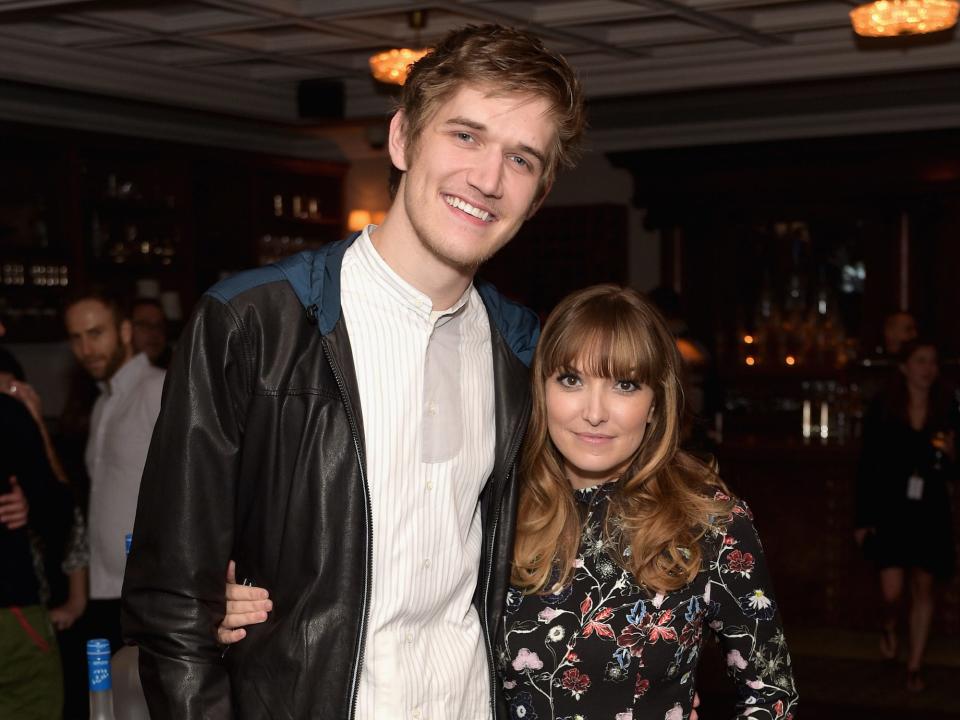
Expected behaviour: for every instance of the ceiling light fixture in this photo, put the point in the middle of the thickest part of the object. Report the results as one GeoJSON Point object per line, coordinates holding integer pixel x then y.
{"type": "Point", "coordinates": [889, 18]}
{"type": "Point", "coordinates": [392, 66]}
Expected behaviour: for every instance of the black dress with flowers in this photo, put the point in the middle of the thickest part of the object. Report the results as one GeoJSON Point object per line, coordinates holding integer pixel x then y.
{"type": "Point", "coordinates": [605, 648]}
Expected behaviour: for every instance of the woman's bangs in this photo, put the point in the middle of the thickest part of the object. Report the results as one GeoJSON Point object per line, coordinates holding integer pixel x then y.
{"type": "Point", "coordinates": [605, 347]}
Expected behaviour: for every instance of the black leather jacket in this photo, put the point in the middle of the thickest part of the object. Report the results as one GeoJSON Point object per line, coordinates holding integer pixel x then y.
{"type": "Point", "coordinates": [258, 455]}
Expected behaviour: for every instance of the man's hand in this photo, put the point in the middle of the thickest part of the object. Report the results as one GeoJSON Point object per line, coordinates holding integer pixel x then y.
{"type": "Point", "coordinates": [696, 704]}
{"type": "Point", "coordinates": [14, 508]}
{"type": "Point", "coordinates": [246, 605]}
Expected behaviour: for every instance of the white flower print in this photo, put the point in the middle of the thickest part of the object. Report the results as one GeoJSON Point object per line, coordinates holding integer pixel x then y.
{"type": "Point", "coordinates": [556, 634]}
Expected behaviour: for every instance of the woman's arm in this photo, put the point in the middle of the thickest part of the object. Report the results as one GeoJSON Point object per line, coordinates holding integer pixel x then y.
{"type": "Point", "coordinates": [743, 614]}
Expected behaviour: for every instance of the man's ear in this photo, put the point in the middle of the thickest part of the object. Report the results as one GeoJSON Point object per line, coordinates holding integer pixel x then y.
{"type": "Point", "coordinates": [397, 141]}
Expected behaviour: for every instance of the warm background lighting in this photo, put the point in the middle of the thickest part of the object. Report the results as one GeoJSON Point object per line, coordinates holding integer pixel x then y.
{"type": "Point", "coordinates": [392, 66]}
{"type": "Point", "coordinates": [748, 339]}
{"type": "Point", "coordinates": [357, 220]}
{"type": "Point", "coordinates": [889, 18]}
{"type": "Point", "coordinates": [790, 360]}
{"type": "Point", "coordinates": [750, 360]}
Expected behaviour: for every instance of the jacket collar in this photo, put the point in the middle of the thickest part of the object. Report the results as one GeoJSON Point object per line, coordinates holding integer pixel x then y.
{"type": "Point", "coordinates": [315, 278]}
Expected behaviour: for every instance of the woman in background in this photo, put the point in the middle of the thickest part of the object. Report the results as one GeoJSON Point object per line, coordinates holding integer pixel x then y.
{"type": "Point", "coordinates": [907, 466]}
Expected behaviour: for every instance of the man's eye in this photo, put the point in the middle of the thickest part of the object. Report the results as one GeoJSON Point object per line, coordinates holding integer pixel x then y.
{"type": "Point", "coordinates": [519, 161]}
{"type": "Point", "coordinates": [465, 136]}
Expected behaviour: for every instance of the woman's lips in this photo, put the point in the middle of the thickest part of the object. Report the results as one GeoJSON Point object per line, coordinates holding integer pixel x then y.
{"type": "Point", "coordinates": [594, 438]}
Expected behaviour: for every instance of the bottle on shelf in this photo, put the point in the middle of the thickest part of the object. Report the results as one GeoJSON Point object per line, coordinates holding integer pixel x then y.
{"type": "Point", "coordinates": [98, 674]}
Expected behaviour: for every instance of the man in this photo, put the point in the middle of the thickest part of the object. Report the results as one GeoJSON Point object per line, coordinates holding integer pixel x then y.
{"type": "Point", "coordinates": [346, 425]}
{"type": "Point", "coordinates": [120, 428]}
{"type": "Point", "coordinates": [150, 330]}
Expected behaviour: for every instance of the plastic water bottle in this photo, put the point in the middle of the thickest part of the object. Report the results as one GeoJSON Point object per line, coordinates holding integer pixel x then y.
{"type": "Point", "coordinates": [131, 705]}
{"type": "Point", "coordinates": [98, 674]}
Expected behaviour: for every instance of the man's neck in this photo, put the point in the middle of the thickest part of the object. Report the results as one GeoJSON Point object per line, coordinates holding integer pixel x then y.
{"type": "Point", "coordinates": [397, 243]}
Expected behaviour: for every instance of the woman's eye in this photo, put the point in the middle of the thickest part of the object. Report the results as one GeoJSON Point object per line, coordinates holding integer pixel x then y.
{"type": "Point", "coordinates": [568, 380]}
{"type": "Point", "coordinates": [627, 385]}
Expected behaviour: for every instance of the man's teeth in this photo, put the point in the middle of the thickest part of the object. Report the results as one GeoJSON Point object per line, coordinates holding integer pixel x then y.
{"type": "Point", "coordinates": [468, 208]}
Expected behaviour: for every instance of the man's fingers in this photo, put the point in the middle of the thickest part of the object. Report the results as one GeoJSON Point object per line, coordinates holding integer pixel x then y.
{"type": "Point", "coordinates": [246, 592]}
{"type": "Point", "coordinates": [232, 572]}
{"type": "Point", "coordinates": [235, 607]}
{"type": "Point", "coordinates": [235, 620]}
{"type": "Point", "coordinates": [228, 637]}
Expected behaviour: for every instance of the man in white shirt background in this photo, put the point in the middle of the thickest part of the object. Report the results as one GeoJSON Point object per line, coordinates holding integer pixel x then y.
{"type": "Point", "coordinates": [121, 424]}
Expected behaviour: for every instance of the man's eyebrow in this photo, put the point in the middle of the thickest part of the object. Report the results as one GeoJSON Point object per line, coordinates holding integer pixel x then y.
{"type": "Point", "coordinates": [474, 125]}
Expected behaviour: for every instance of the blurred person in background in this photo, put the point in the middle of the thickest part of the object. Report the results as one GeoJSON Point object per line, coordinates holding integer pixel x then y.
{"type": "Point", "coordinates": [34, 506]}
{"type": "Point", "coordinates": [150, 330]}
{"type": "Point", "coordinates": [101, 338]}
{"type": "Point", "coordinates": [903, 501]}
{"type": "Point", "coordinates": [898, 328]}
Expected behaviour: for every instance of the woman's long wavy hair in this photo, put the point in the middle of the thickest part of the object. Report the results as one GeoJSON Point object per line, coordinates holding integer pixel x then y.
{"type": "Point", "coordinates": [666, 499]}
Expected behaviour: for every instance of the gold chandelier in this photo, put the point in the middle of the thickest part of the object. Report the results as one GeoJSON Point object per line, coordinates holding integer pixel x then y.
{"type": "Point", "coordinates": [887, 18]}
{"type": "Point", "coordinates": [392, 66]}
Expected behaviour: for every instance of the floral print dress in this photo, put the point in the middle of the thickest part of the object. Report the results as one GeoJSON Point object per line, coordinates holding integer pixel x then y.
{"type": "Point", "coordinates": [605, 648]}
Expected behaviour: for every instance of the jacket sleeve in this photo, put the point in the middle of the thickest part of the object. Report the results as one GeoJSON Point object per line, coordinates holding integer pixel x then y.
{"type": "Point", "coordinates": [173, 592]}
{"type": "Point", "coordinates": [743, 613]}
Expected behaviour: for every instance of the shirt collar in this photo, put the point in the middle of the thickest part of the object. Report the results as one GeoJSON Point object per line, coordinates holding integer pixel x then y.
{"type": "Point", "coordinates": [126, 377]}
{"type": "Point", "coordinates": [387, 278]}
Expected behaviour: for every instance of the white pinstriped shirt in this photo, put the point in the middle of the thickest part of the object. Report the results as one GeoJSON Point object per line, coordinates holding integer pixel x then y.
{"type": "Point", "coordinates": [425, 379]}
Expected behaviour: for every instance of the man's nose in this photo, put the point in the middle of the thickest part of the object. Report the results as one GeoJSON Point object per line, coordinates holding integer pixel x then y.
{"type": "Point", "coordinates": [486, 175]}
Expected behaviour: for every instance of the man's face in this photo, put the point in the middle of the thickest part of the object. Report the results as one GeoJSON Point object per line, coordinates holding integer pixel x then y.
{"type": "Point", "coordinates": [97, 342]}
{"type": "Point", "coordinates": [149, 330]}
{"type": "Point", "coordinates": [472, 178]}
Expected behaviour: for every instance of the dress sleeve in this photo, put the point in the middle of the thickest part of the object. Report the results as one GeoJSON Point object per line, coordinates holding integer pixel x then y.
{"type": "Point", "coordinates": [743, 614]}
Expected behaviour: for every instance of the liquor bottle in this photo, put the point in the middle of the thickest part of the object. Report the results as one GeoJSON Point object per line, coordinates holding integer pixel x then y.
{"type": "Point", "coordinates": [131, 704]}
{"type": "Point", "coordinates": [98, 674]}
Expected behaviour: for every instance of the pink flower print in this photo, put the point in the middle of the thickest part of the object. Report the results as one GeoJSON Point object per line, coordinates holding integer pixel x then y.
{"type": "Point", "coordinates": [628, 715]}
{"type": "Point", "coordinates": [674, 713]}
{"type": "Point", "coordinates": [548, 614]}
{"type": "Point", "coordinates": [734, 659]}
{"type": "Point", "coordinates": [527, 660]}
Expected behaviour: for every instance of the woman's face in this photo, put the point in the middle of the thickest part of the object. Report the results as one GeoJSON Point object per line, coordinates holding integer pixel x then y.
{"type": "Point", "coordinates": [596, 423]}
{"type": "Point", "coordinates": [921, 368]}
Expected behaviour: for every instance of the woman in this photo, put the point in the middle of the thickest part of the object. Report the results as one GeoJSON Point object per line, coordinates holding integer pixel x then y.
{"type": "Point", "coordinates": [627, 550]}
{"type": "Point", "coordinates": [903, 503]}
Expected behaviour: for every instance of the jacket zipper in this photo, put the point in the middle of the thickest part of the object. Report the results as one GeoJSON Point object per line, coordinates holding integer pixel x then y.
{"type": "Point", "coordinates": [355, 681]}
{"type": "Point", "coordinates": [486, 588]}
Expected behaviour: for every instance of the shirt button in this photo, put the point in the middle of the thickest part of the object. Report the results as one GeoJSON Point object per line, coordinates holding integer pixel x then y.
{"type": "Point", "coordinates": [429, 484]}
{"type": "Point", "coordinates": [432, 409]}
{"type": "Point", "coordinates": [427, 563]}
{"type": "Point", "coordinates": [409, 638]}
{"type": "Point", "coordinates": [416, 712]}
